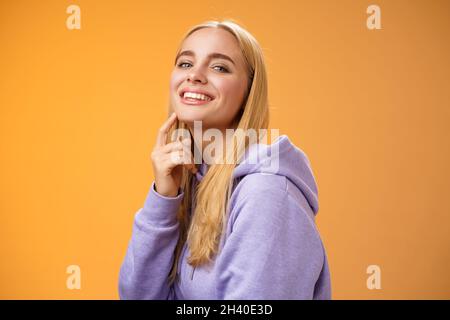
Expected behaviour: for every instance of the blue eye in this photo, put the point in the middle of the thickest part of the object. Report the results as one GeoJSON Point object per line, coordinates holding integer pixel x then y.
{"type": "Point", "coordinates": [182, 63]}
{"type": "Point", "coordinates": [220, 68]}
{"type": "Point", "coordinates": [223, 68]}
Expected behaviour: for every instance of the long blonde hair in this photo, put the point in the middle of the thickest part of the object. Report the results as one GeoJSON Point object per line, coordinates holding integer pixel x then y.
{"type": "Point", "coordinates": [203, 230]}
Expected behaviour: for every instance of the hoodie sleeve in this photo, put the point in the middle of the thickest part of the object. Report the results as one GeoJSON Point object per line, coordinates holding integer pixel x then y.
{"type": "Point", "coordinates": [273, 250]}
{"type": "Point", "coordinates": [150, 254]}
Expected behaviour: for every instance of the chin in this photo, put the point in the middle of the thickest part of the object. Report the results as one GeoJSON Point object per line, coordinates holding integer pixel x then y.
{"type": "Point", "coordinates": [189, 114]}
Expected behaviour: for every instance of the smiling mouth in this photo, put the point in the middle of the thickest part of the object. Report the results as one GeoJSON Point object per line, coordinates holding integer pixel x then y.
{"type": "Point", "coordinates": [193, 96]}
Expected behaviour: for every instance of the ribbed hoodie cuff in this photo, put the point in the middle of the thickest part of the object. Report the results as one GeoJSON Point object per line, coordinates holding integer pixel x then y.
{"type": "Point", "coordinates": [160, 209]}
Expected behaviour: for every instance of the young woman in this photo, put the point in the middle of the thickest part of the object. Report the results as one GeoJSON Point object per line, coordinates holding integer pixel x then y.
{"type": "Point", "coordinates": [222, 229]}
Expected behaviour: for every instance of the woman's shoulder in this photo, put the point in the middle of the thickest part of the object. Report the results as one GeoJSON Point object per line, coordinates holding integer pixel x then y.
{"type": "Point", "coordinates": [270, 199]}
{"type": "Point", "coordinates": [259, 182]}
{"type": "Point", "coordinates": [280, 169]}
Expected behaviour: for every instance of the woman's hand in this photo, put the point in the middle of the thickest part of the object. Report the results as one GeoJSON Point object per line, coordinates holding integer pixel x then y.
{"type": "Point", "coordinates": [168, 159]}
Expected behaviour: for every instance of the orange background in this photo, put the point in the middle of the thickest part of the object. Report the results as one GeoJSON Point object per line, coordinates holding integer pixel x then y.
{"type": "Point", "coordinates": [80, 110]}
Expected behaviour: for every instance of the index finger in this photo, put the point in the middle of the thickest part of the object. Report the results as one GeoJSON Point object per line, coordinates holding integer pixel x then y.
{"type": "Point", "coordinates": [162, 133]}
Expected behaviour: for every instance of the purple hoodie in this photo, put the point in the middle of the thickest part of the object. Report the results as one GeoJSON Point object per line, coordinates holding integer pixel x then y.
{"type": "Point", "coordinates": [271, 248]}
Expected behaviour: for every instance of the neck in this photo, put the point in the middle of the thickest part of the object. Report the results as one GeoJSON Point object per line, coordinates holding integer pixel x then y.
{"type": "Point", "coordinates": [201, 143]}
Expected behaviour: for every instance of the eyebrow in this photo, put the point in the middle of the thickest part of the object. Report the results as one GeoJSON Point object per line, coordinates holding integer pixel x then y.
{"type": "Point", "coordinates": [213, 55]}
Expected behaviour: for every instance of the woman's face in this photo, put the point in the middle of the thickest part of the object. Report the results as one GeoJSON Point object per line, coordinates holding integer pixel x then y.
{"type": "Point", "coordinates": [209, 62]}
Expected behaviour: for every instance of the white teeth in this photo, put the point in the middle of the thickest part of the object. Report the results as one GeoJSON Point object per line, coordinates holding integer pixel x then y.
{"type": "Point", "coordinates": [197, 96]}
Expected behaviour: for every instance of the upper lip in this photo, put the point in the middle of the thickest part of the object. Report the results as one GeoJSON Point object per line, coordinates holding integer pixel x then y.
{"type": "Point", "coordinates": [195, 91]}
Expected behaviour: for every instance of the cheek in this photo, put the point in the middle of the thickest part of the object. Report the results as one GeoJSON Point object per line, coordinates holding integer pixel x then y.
{"type": "Point", "coordinates": [176, 79]}
{"type": "Point", "coordinates": [233, 92]}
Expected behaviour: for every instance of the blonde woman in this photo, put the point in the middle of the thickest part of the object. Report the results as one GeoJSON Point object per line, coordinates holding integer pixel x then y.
{"type": "Point", "coordinates": [236, 226]}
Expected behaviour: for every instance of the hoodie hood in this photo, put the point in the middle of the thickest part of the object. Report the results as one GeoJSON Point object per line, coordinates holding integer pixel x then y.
{"type": "Point", "coordinates": [281, 157]}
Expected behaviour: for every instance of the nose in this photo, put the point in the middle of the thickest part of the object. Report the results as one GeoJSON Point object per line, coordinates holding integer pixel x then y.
{"type": "Point", "coordinates": [196, 75]}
